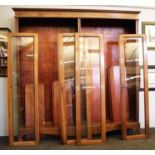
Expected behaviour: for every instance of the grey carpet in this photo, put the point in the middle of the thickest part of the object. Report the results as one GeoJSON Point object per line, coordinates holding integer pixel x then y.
{"type": "Point", "coordinates": [114, 142]}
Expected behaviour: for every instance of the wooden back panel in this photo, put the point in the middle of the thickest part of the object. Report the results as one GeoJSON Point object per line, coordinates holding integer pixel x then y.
{"type": "Point", "coordinates": [47, 30]}
{"type": "Point", "coordinates": [111, 30]}
{"type": "Point", "coordinates": [56, 103]}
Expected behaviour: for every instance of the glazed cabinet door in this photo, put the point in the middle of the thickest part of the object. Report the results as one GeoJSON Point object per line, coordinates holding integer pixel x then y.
{"type": "Point", "coordinates": [134, 81]}
{"type": "Point", "coordinates": [82, 84]}
{"type": "Point", "coordinates": [66, 56]}
{"type": "Point", "coordinates": [90, 89]}
{"type": "Point", "coordinates": [23, 89]}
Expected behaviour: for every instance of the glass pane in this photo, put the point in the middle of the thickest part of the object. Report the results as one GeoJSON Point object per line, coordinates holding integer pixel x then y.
{"type": "Point", "coordinates": [134, 81]}
{"type": "Point", "coordinates": [69, 84]}
{"type": "Point", "coordinates": [23, 88]}
{"type": "Point", "coordinates": [90, 99]}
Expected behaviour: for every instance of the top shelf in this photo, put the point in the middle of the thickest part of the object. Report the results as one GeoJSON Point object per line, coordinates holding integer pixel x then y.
{"type": "Point", "coordinates": [75, 13]}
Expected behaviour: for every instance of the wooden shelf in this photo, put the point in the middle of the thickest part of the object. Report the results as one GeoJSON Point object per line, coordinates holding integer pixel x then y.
{"type": "Point", "coordinates": [110, 126]}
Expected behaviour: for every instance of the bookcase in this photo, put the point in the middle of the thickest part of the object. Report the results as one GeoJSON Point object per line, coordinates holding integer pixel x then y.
{"type": "Point", "coordinates": [47, 24]}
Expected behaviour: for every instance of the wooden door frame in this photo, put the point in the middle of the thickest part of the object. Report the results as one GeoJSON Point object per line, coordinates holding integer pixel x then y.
{"type": "Point", "coordinates": [78, 139]}
{"type": "Point", "coordinates": [10, 91]}
{"type": "Point", "coordinates": [102, 89]}
{"type": "Point", "coordinates": [62, 92]}
{"type": "Point", "coordinates": [125, 124]}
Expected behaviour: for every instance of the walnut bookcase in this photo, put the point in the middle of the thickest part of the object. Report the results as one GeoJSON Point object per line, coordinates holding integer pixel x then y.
{"type": "Point", "coordinates": [47, 23]}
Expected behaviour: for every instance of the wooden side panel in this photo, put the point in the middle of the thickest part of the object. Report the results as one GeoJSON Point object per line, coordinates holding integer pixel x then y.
{"type": "Point", "coordinates": [115, 88]}
{"type": "Point", "coordinates": [56, 102]}
{"type": "Point", "coordinates": [29, 105]}
{"type": "Point", "coordinates": [96, 97]}
{"type": "Point", "coordinates": [114, 91]}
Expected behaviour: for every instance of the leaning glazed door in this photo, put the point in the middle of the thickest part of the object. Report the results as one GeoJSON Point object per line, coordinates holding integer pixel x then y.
{"type": "Point", "coordinates": [82, 86]}
{"type": "Point", "coordinates": [134, 81]}
{"type": "Point", "coordinates": [90, 89]}
{"type": "Point", "coordinates": [66, 59]}
{"type": "Point", "coordinates": [23, 89]}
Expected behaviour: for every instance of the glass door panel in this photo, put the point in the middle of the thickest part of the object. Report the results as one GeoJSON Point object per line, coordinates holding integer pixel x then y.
{"type": "Point", "coordinates": [67, 83]}
{"type": "Point", "coordinates": [82, 85]}
{"type": "Point", "coordinates": [90, 87]}
{"type": "Point", "coordinates": [134, 90]}
{"type": "Point", "coordinates": [23, 89]}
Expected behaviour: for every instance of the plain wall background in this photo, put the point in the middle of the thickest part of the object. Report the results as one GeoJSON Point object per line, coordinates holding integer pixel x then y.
{"type": "Point", "coordinates": [7, 20]}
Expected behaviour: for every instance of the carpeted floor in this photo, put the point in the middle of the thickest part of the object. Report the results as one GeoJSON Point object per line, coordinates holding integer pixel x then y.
{"type": "Point", "coordinates": [114, 142]}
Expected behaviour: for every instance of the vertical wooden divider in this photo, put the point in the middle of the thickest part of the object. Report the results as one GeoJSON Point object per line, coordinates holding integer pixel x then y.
{"type": "Point", "coordinates": [102, 83]}
{"type": "Point", "coordinates": [77, 79]}
{"type": "Point", "coordinates": [61, 80]}
{"type": "Point", "coordinates": [37, 126]}
{"type": "Point", "coordinates": [88, 95]}
{"type": "Point", "coordinates": [146, 99]}
{"type": "Point", "coordinates": [137, 80]}
{"type": "Point", "coordinates": [79, 25]}
{"type": "Point", "coordinates": [77, 83]}
{"type": "Point", "coordinates": [10, 106]}
{"type": "Point", "coordinates": [122, 74]}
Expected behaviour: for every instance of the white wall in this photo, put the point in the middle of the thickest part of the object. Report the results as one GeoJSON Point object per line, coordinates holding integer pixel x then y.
{"type": "Point", "coordinates": [7, 20]}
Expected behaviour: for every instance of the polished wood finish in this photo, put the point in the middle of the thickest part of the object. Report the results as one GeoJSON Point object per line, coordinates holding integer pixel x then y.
{"type": "Point", "coordinates": [62, 86]}
{"type": "Point", "coordinates": [10, 106]}
{"type": "Point", "coordinates": [29, 107]}
{"type": "Point", "coordinates": [88, 81]}
{"type": "Point", "coordinates": [48, 23]}
{"type": "Point", "coordinates": [56, 103]}
{"type": "Point", "coordinates": [96, 128]}
{"type": "Point", "coordinates": [79, 25]}
{"type": "Point", "coordinates": [75, 13]}
{"type": "Point", "coordinates": [111, 46]}
{"type": "Point", "coordinates": [122, 41]}
{"type": "Point", "coordinates": [115, 90]}
{"type": "Point", "coordinates": [103, 90]}
{"type": "Point", "coordinates": [79, 127]}
{"type": "Point", "coordinates": [30, 143]}
{"type": "Point", "coordinates": [10, 90]}
{"type": "Point", "coordinates": [16, 24]}
{"type": "Point", "coordinates": [77, 91]}
{"type": "Point", "coordinates": [48, 59]}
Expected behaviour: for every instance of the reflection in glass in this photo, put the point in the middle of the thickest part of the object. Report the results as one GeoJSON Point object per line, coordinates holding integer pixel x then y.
{"type": "Point", "coordinates": [23, 88]}
{"type": "Point", "coordinates": [69, 84]}
{"type": "Point", "coordinates": [133, 54]}
{"type": "Point", "coordinates": [90, 99]}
